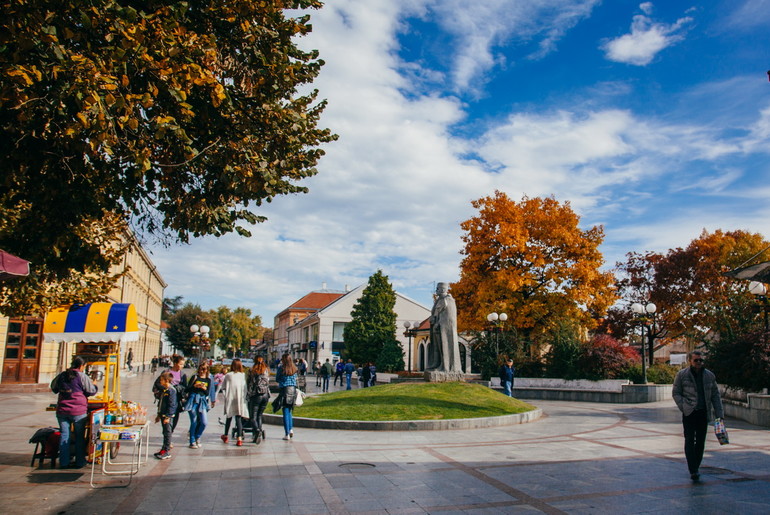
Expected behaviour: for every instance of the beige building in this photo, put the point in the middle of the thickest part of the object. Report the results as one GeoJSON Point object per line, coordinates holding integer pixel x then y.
{"type": "Point", "coordinates": [26, 359]}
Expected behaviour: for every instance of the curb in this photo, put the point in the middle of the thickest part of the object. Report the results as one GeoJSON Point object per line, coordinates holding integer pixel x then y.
{"type": "Point", "coordinates": [409, 425]}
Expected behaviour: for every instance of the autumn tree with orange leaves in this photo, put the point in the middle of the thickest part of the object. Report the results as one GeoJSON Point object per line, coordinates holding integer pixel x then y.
{"type": "Point", "coordinates": [531, 260]}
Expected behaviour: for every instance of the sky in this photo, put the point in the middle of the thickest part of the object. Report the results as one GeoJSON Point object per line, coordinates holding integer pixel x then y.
{"type": "Point", "coordinates": [651, 119]}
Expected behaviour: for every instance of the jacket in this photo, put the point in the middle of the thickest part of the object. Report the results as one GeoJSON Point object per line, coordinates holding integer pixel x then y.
{"type": "Point", "coordinates": [236, 403]}
{"type": "Point", "coordinates": [685, 393]}
{"type": "Point", "coordinates": [167, 405]}
{"type": "Point", "coordinates": [507, 373]}
{"type": "Point", "coordinates": [73, 395]}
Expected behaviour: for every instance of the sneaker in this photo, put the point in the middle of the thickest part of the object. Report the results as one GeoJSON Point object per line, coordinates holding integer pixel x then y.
{"type": "Point", "coordinates": [291, 434]}
{"type": "Point", "coordinates": [198, 443]}
{"type": "Point", "coordinates": [162, 455]}
{"type": "Point", "coordinates": [193, 445]}
{"type": "Point", "coordinates": [695, 476]}
{"type": "Point", "coordinates": [257, 437]}
{"type": "Point", "coordinates": [239, 443]}
{"type": "Point", "coordinates": [224, 438]}
{"type": "Point", "coordinates": [287, 437]}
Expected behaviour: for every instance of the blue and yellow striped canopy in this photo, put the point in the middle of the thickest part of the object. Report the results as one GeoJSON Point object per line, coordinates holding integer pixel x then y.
{"type": "Point", "coordinates": [94, 322]}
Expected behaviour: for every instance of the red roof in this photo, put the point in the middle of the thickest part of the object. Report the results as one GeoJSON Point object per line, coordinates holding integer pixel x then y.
{"type": "Point", "coordinates": [316, 300]}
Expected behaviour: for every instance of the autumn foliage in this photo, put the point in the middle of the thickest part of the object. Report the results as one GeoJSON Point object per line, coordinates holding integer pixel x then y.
{"type": "Point", "coordinates": [531, 260]}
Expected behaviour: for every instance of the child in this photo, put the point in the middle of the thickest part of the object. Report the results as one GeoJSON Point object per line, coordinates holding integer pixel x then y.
{"type": "Point", "coordinates": [166, 410]}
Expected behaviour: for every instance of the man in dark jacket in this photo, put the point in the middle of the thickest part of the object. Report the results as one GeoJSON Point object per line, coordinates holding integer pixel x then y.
{"type": "Point", "coordinates": [506, 377]}
{"type": "Point", "coordinates": [696, 393]}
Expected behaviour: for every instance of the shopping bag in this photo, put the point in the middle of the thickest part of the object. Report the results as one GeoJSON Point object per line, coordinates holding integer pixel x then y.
{"type": "Point", "coordinates": [300, 399]}
{"type": "Point", "coordinates": [721, 432]}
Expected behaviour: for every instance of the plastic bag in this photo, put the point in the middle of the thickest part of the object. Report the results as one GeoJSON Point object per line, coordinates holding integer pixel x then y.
{"type": "Point", "coordinates": [721, 432]}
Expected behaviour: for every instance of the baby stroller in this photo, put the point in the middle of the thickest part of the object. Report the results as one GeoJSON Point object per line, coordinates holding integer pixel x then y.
{"type": "Point", "coordinates": [248, 429]}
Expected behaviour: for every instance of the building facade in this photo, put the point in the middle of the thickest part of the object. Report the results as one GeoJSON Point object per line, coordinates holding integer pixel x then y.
{"type": "Point", "coordinates": [303, 308]}
{"type": "Point", "coordinates": [319, 336]}
{"type": "Point", "coordinates": [25, 358]}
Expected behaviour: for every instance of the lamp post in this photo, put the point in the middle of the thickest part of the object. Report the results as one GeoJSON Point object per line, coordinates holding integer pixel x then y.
{"type": "Point", "coordinates": [201, 338]}
{"type": "Point", "coordinates": [642, 311]}
{"type": "Point", "coordinates": [409, 333]}
{"type": "Point", "coordinates": [496, 321]}
{"type": "Point", "coordinates": [759, 290]}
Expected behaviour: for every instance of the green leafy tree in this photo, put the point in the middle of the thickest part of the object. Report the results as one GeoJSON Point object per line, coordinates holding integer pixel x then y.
{"type": "Point", "coordinates": [176, 117]}
{"type": "Point", "coordinates": [391, 358]}
{"type": "Point", "coordinates": [235, 327]}
{"type": "Point", "coordinates": [178, 332]}
{"type": "Point", "coordinates": [373, 323]}
{"type": "Point", "coordinates": [170, 306]}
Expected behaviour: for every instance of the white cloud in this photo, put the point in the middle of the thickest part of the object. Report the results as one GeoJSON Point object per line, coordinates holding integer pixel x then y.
{"type": "Point", "coordinates": [646, 39]}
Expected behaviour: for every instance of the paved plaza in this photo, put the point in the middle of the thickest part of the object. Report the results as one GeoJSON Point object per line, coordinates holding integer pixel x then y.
{"type": "Point", "coordinates": [578, 458]}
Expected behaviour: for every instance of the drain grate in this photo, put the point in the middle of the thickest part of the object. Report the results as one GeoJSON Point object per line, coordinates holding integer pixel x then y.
{"type": "Point", "coordinates": [357, 465]}
{"type": "Point", "coordinates": [224, 453]}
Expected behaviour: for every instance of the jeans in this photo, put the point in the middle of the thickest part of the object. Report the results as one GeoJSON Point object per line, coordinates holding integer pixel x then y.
{"type": "Point", "coordinates": [288, 422]}
{"type": "Point", "coordinates": [257, 405]}
{"type": "Point", "coordinates": [325, 387]}
{"type": "Point", "coordinates": [507, 387]}
{"type": "Point", "coordinates": [198, 422]}
{"type": "Point", "coordinates": [79, 422]}
{"type": "Point", "coordinates": [167, 430]}
{"type": "Point", "coordinates": [347, 378]}
{"type": "Point", "coordinates": [695, 426]}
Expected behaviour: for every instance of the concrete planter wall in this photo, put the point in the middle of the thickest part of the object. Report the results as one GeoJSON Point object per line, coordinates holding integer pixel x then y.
{"type": "Point", "coordinates": [619, 391]}
{"type": "Point", "coordinates": [751, 407]}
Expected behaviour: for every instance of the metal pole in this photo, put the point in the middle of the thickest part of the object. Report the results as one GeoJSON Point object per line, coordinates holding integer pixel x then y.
{"type": "Point", "coordinates": [410, 351]}
{"type": "Point", "coordinates": [644, 360]}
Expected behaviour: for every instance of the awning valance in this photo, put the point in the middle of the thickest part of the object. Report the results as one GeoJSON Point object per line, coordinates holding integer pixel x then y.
{"type": "Point", "coordinates": [12, 266]}
{"type": "Point", "coordinates": [94, 322]}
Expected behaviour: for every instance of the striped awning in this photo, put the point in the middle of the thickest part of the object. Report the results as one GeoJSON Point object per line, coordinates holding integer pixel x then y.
{"type": "Point", "coordinates": [94, 322]}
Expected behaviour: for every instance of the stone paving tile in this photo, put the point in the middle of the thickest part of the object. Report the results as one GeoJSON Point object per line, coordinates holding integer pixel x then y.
{"type": "Point", "coordinates": [580, 458]}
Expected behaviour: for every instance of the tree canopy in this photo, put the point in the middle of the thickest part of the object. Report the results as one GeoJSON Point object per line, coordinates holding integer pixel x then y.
{"type": "Point", "coordinates": [174, 117]}
{"type": "Point", "coordinates": [531, 260]}
{"type": "Point", "coordinates": [373, 322]}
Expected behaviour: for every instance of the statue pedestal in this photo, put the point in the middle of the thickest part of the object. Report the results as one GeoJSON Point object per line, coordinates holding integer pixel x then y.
{"type": "Point", "coordinates": [436, 376]}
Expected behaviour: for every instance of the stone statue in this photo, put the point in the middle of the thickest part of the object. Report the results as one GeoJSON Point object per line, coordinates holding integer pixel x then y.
{"type": "Point", "coordinates": [444, 348]}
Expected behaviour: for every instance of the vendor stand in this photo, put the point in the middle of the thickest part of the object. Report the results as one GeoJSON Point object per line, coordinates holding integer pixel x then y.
{"type": "Point", "coordinates": [96, 332]}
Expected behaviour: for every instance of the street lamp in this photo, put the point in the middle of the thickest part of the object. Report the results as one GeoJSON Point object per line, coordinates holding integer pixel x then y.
{"type": "Point", "coordinates": [497, 320]}
{"type": "Point", "coordinates": [759, 290]}
{"type": "Point", "coordinates": [201, 337]}
{"type": "Point", "coordinates": [409, 334]}
{"type": "Point", "coordinates": [642, 311]}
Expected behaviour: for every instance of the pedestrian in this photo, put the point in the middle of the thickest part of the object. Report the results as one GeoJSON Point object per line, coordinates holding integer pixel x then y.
{"type": "Point", "coordinates": [199, 403]}
{"type": "Point", "coordinates": [301, 373]}
{"type": "Point", "coordinates": [179, 382]}
{"type": "Point", "coordinates": [129, 359]}
{"type": "Point", "coordinates": [326, 372]}
{"type": "Point", "coordinates": [506, 374]}
{"type": "Point", "coordinates": [349, 369]}
{"type": "Point", "coordinates": [372, 374]}
{"type": "Point", "coordinates": [696, 394]}
{"type": "Point", "coordinates": [338, 371]}
{"type": "Point", "coordinates": [236, 405]}
{"type": "Point", "coordinates": [366, 375]}
{"type": "Point", "coordinates": [154, 364]}
{"type": "Point", "coordinates": [167, 408]}
{"type": "Point", "coordinates": [286, 377]}
{"type": "Point", "coordinates": [317, 370]}
{"type": "Point", "coordinates": [259, 394]}
{"type": "Point", "coordinates": [74, 387]}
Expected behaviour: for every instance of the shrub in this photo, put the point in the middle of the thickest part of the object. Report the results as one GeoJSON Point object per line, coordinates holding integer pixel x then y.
{"type": "Point", "coordinates": [604, 357]}
{"type": "Point", "coordinates": [661, 373]}
{"type": "Point", "coordinates": [632, 372]}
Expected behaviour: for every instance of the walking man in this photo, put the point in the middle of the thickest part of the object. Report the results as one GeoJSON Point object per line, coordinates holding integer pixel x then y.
{"type": "Point", "coordinates": [349, 369]}
{"type": "Point", "coordinates": [326, 371]}
{"type": "Point", "coordinates": [695, 393]}
{"type": "Point", "coordinates": [338, 369]}
{"type": "Point", "coordinates": [506, 377]}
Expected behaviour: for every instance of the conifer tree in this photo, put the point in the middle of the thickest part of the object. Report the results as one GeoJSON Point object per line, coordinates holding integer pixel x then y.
{"type": "Point", "coordinates": [373, 324]}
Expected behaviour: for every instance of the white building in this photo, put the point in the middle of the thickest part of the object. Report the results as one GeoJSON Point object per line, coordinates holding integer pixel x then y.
{"type": "Point", "coordinates": [319, 336]}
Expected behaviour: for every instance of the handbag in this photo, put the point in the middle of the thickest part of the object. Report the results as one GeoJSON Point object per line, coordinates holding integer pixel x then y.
{"type": "Point", "coordinates": [299, 400]}
{"type": "Point", "coordinates": [721, 432]}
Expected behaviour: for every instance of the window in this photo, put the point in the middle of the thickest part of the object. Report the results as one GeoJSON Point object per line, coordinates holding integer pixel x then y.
{"type": "Point", "coordinates": [337, 331]}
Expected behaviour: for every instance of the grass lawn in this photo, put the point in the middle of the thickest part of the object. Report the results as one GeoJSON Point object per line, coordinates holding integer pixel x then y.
{"type": "Point", "coordinates": [412, 401]}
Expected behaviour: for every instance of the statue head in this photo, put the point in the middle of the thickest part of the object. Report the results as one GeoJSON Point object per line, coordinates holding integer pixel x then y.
{"type": "Point", "coordinates": [442, 289]}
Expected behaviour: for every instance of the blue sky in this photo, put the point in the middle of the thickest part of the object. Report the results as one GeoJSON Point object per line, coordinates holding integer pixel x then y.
{"type": "Point", "coordinates": [652, 119]}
